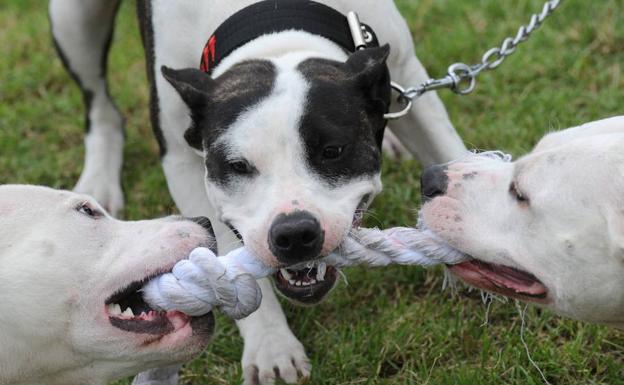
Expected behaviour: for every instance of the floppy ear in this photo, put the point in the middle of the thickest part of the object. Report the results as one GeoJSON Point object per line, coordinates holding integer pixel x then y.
{"type": "Point", "coordinates": [193, 86]}
{"type": "Point", "coordinates": [370, 71]}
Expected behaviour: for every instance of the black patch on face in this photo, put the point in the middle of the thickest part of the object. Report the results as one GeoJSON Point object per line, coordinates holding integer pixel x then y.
{"type": "Point", "coordinates": [216, 104]}
{"type": "Point", "coordinates": [342, 111]}
{"type": "Point", "coordinates": [144, 13]}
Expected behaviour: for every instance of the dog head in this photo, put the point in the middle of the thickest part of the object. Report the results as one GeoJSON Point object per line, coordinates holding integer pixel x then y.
{"type": "Point", "coordinates": [292, 153]}
{"type": "Point", "coordinates": [70, 308]}
{"type": "Point", "coordinates": [548, 228]}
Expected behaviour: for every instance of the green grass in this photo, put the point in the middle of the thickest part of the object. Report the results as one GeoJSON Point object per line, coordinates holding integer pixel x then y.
{"type": "Point", "coordinates": [387, 326]}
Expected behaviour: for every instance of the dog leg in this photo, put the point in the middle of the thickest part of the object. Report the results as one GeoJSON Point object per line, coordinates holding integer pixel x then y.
{"type": "Point", "coordinates": [393, 148]}
{"type": "Point", "coordinates": [426, 130]}
{"type": "Point", "coordinates": [82, 31]}
{"type": "Point", "coordinates": [271, 349]}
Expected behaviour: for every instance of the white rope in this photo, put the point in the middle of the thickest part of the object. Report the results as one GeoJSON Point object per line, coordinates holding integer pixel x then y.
{"type": "Point", "coordinates": [204, 281]}
{"type": "Point", "coordinates": [398, 245]}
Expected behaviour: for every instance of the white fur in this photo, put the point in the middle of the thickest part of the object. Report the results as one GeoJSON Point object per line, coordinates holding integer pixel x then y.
{"type": "Point", "coordinates": [570, 236]}
{"type": "Point", "coordinates": [57, 268]}
{"type": "Point", "coordinates": [180, 32]}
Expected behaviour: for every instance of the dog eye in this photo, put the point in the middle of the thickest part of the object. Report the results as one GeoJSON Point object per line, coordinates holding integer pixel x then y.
{"type": "Point", "coordinates": [241, 166]}
{"type": "Point", "coordinates": [332, 152]}
{"type": "Point", "coordinates": [519, 196]}
{"type": "Point", "coordinates": [86, 209]}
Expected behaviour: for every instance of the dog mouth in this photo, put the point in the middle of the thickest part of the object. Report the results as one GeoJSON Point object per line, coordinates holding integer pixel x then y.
{"type": "Point", "coordinates": [308, 285]}
{"type": "Point", "coordinates": [127, 311]}
{"type": "Point", "coordinates": [496, 278]}
{"type": "Point", "coordinates": [358, 215]}
{"type": "Point", "coordinates": [500, 279]}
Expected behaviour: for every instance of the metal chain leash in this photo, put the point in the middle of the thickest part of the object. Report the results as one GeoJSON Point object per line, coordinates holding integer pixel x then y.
{"type": "Point", "coordinates": [461, 77]}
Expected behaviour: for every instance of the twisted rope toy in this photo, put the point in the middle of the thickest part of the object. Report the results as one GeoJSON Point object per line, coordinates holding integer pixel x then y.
{"type": "Point", "coordinates": [204, 281]}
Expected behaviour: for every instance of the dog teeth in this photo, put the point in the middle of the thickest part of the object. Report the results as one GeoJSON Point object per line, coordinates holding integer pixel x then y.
{"type": "Point", "coordinates": [286, 274]}
{"type": "Point", "coordinates": [128, 313]}
{"type": "Point", "coordinates": [321, 269]}
{"type": "Point", "coordinates": [114, 309]}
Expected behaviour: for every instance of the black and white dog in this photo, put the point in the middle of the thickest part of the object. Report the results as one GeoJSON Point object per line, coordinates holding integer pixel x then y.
{"type": "Point", "coordinates": [279, 145]}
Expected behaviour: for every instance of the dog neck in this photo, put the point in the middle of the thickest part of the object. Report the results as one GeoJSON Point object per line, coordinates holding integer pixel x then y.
{"type": "Point", "coordinates": [291, 47]}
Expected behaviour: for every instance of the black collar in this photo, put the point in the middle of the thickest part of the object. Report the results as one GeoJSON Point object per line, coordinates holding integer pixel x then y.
{"type": "Point", "coordinates": [271, 16]}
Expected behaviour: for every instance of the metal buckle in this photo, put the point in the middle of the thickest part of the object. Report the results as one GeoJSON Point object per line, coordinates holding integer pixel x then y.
{"type": "Point", "coordinates": [401, 99]}
{"type": "Point", "coordinates": [357, 31]}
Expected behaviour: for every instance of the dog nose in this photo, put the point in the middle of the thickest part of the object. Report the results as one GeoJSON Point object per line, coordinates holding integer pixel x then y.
{"type": "Point", "coordinates": [433, 182]}
{"type": "Point", "coordinates": [296, 237]}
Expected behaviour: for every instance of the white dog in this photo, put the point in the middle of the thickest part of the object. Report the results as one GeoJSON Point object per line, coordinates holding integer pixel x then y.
{"type": "Point", "coordinates": [277, 139]}
{"type": "Point", "coordinates": [547, 228]}
{"type": "Point", "coordinates": [67, 270]}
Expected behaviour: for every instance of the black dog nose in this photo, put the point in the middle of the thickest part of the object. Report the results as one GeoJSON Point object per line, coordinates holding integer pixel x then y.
{"type": "Point", "coordinates": [433, 182]}
{"type": "Point", "coordinates": [296, 237]}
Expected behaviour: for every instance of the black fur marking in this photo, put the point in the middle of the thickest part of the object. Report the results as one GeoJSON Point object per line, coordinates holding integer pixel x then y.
{"type": "Point", "coordinates": [345, 108]}
{"type": "Point", "coordinates": [104, 64]}
{"type": "Point", "coordinates": [216, 103]}
{"type": "Point", "coordinates": [144, 14]}
{"type": "Point", "coordinates": [233, 229]}
{"type": "Point", "coordinates": [87, 97]}
{"type": "Point", "coordinates": [87, 94]}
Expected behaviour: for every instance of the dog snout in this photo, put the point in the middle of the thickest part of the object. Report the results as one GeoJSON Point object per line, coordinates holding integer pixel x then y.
{"type": "Point", "coordinates": [296, 237]}
{"type": "Point", "coordinates": [433, 182]}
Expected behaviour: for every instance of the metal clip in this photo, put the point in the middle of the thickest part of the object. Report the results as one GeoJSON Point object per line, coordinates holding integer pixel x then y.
{"type": "Point", "coordinates": [356, 30]}
{"type": "Point", "coordinates": [402, 99]}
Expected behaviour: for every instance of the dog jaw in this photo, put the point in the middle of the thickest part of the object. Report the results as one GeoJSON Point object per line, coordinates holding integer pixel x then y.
{"type": "Point", "coordinates": [67, 263]}
{"type": "Point", "coordinates": [564, 230]}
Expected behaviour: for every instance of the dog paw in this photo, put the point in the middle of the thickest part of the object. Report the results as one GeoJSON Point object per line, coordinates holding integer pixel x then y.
{"type": "Point", "coordinates": [107, 191]}
{"type": "Point", "coordinates": [272, 355]}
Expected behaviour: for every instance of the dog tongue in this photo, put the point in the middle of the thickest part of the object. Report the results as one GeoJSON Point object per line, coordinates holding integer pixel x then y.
{"type": "Point", "coordinates": [483, 275]}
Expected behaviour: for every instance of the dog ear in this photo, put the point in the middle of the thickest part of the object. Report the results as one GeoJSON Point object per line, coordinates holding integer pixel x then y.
{"type": "Point", "coordinates": [370, 69]}
{"type": "Point", "coordinates": [372, 75]}
{"type": "Point", "coordinates": [192, 84]}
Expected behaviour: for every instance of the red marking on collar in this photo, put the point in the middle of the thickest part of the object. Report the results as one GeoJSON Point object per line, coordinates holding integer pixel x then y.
{"type": "Point", "coordinates": [208, 54]}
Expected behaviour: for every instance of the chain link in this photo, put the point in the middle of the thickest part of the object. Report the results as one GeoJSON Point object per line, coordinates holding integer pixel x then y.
{"type": "Point", "coordinates": [461, 77]}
